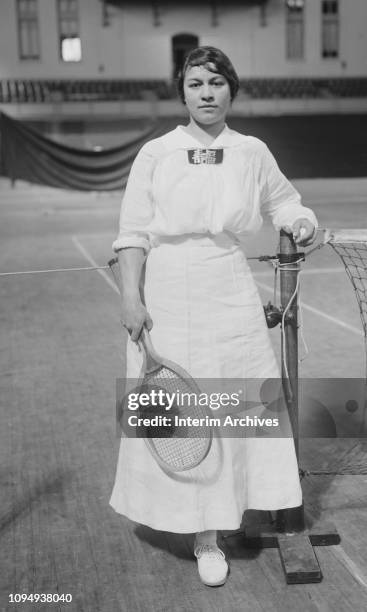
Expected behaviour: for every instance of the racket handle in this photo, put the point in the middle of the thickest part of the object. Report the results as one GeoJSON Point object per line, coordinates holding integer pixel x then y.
{"type": "Point", "coordinates": [152, 360]}
{"type": "Point", "coordinates": [145, 341]}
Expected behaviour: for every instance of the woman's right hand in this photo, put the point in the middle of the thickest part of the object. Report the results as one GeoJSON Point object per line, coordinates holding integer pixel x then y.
{"type": "Point", "coordinates": [134, 317]}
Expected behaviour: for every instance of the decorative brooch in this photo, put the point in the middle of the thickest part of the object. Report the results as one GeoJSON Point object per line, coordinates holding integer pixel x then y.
{"type": "Point", "coordinates": [205, 156]}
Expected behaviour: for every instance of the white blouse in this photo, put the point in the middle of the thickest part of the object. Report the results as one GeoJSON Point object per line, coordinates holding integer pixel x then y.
{"type": "Point", "coordinates": [171, 192]}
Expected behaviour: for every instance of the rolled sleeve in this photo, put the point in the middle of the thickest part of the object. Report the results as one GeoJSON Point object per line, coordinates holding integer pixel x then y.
{"type": "Point", "coordinates": [278, 196]}
{"type": "Point", "coordinates": [137, 204]}
{"type": "Point", "coordinates": [129, 239]}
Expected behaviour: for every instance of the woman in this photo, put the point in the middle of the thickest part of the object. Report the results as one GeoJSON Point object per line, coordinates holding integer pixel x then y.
{"type": "Point", "coordinates": [192, 195]}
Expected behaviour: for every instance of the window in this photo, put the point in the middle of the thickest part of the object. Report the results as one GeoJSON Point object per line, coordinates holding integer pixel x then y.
{"type": "Point", "coordinates": [330, 28]}
{"type": "Point", "coordinates": [295, 29]}
{"type": "Point", "coordinates": [69, 39]}
{"type": "Point", "coordinates": [28, 33]}
{"type": "Point", "coordinates": [182, 44]}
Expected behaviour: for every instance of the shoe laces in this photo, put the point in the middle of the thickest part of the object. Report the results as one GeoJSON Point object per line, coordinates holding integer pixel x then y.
{"type": "Point", "coordinates": [210, 550]}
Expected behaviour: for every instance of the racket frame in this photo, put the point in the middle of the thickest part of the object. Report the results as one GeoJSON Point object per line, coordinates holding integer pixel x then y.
{"type": "Point", "coordinates": [152, 362]}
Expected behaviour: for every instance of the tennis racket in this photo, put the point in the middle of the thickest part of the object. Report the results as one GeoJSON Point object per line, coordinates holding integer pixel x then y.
{"type": "Point", "coordinates": [178, 445]}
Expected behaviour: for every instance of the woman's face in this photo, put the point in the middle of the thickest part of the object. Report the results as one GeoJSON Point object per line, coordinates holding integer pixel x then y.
{"type": "Point", "coordinates": [207, 95]}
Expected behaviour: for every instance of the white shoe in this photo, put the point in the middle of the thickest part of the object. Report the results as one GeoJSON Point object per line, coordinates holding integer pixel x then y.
{"type": "Point", "coordinates": [212, 564]}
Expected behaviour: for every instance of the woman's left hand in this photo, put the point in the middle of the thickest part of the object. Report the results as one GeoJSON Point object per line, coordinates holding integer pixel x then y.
{"type": "Point", "coordinates": [303, 232]}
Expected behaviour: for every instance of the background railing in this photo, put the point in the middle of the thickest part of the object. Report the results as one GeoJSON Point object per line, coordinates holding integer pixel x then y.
{"type": "Point", "coordinates": [65, 90]}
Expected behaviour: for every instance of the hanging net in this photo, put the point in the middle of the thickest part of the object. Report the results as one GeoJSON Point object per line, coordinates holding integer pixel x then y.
{"type": "Point", "coordinates": [350, 457]}
{"type": "Point", "coordinates": [351, 246]}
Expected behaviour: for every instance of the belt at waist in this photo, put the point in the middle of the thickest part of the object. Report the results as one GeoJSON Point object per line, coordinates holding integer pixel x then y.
{"type": "Point", "coordinates": [223, 240]}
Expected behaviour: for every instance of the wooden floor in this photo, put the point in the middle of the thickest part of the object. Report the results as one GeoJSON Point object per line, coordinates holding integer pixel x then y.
{"type": "Point", "coordinates": [61, 353]}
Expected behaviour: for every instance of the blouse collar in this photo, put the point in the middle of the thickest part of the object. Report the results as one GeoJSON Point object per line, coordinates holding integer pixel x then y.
{"type": "Point", "coordinates": [223, 139]}
{"type": "Point", "coordinates": [178, 138]}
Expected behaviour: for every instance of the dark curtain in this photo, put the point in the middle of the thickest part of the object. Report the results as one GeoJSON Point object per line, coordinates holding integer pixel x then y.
{"type": "Point", "coordinates": [28, 155]}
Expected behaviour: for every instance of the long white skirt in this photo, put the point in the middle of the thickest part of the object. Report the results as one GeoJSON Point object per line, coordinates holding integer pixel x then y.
{"type": "Point", "coordinates": [207, 317]}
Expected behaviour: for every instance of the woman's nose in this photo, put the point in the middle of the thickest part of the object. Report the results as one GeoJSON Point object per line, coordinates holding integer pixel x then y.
{"type": "Point", "coordinates": [207, 92]}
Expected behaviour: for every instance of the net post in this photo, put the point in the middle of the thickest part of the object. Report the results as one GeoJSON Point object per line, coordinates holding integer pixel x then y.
{"type": "Point", "coordinates": [291, 519]}
{"type": "Point", "coordinates": [288, 533]}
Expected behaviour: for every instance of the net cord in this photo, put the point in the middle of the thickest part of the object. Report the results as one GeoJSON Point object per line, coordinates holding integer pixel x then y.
{"type": "Point", "coordinates": [20, 272]}
{"type": "Point", "coordinates": [295, 295]}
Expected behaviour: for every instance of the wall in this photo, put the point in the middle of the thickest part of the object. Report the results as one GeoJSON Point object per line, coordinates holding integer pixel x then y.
{"type": "Point", "coordinates": [132, 47]}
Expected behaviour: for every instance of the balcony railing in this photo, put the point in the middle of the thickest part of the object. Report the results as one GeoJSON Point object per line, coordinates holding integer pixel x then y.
{"type": "Point", "coordinates": [13, 91]}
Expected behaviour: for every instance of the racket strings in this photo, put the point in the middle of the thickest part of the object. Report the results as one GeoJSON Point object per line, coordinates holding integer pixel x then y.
{"type": "Point", "coordinates": [185, 394]}
{"type": "Point", "coordinates": [181, 453]}
{"type": "Point", "coordinates": [180, 445]}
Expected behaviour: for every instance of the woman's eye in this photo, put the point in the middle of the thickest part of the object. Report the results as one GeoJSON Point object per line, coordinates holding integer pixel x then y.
{"type": "Point", "coordinates": [213, 84]}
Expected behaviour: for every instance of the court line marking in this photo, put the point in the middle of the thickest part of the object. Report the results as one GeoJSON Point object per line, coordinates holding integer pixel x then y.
{"type": "Point", "coordinates": [315, 311]}
{"type": "Point", "coordinates": [309, 272]}
{"type": "Point", "coordinates": [350, 565]}
{"type": "Point", "coordinates": [340, 200]}
{"type": "Point", "coordinates": [319, 313]}
{"type": "Point", "coordinates": [89, 258]}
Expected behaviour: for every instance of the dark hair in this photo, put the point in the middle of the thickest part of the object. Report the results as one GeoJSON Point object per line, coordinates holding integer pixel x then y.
{"type": "Point", "coordinates": [209, 57]}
